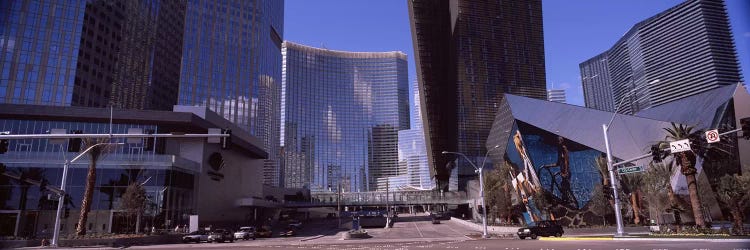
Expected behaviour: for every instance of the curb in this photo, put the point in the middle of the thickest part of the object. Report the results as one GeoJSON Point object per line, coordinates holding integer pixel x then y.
{"type": "Point", "coordinates": [574, 238]}
{"type": "Point", "coordinates": [312, 238]}
{"type": "Point", "coordinates": [638, 239]}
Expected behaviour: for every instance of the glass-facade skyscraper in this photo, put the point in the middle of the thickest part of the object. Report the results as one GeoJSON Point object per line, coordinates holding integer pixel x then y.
{"type": "Point", "coordinates": [412, 153]}
{"type": "Point", "coordinates": [100, 53]}
{"type": "Point", "coordinates": [685, 50]}
{"type": "Point", "coordinates": [469, 53]}
{"type": "Point", "coordinates": [342, 114]}
{"type": "Point", "coordinates": [232, 64]}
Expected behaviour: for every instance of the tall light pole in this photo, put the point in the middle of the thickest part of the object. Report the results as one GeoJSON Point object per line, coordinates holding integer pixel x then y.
{"type": "Point", "coordinates": [481, 185]}
{"type": "Point", "coordinates": [61, 200]}
{"type": "Point", "coordinates": [615, 194]}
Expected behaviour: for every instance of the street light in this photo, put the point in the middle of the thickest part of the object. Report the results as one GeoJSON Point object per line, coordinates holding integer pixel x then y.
{"type": "Point", "coordinates": [481, 184]}
{"type": "Point", "coordinates": [605, 127]}
{"type": "Point", "coordinates": [61, 200]}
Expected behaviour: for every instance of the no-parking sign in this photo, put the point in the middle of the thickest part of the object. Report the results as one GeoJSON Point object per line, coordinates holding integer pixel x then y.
{"type": "Point", "coordinates": [712, 136]}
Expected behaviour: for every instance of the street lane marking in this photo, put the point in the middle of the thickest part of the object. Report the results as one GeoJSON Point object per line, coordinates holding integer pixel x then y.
{"type": "Point", "coordinates": [420, 231]}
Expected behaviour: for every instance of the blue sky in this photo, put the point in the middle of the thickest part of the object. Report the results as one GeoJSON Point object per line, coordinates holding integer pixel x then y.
{"type": "Point", "coordinates": [574, 30]}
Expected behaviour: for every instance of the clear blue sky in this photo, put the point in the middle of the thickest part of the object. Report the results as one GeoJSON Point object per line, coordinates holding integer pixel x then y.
{"type": "Point", "coordinates": [574, 30]}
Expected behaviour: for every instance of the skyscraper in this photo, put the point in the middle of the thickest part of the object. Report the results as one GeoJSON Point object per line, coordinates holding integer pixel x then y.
{"type": "Point", "coordinates": [232, 64]}
{"type": "Point", "coordinates": [342, 109]}
{"type": "Point", "coordinates": [412, 150]}
{"type": "Point", "coordinates": [597, 90]}
{"type": "Point", "coordinates": [685, 50]}
{"type": "Point", "coordinates": [469, 53]}
{"type": "Point", "coordinates": [556, 95]}
{"type": "Point", "coordinates": [91, 53]}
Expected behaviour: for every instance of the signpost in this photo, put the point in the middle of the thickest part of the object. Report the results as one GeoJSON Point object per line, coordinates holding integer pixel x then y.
{"type": "Point", "coordinates": [680, 146]}
{"type": "Point", "coordinates": [712, 136]}
{"type": "Point", "coordinates": [630, 170]}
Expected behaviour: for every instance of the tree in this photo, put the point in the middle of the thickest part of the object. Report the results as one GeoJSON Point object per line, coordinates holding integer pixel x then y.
{"type": "Point", "coordinates": [656, 183]}
{"type": "Point", "coordinates": [600, 202]}
{"type": "Point", "coordinates": [734, 192]}
{"type": "Point", "coordinates": [497, 193]}
{"type": "Point", "coordinates": [134, 200]}
{"type": "Point", "coordinates": [686, 161]}
{"type": "Point", "coordinates": [632, 185]}
{"type": "Point", "coordinates": [94, 155]}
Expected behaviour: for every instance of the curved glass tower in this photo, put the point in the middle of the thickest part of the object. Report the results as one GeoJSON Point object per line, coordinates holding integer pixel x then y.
{"type": "Point", "coordinates": [342, 114]}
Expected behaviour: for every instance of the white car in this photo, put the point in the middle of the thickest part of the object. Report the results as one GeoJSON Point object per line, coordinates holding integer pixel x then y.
{"type": "Point", "coordinates": [196, 237]}
{"type": "Point", "coordinates": [245, 233]}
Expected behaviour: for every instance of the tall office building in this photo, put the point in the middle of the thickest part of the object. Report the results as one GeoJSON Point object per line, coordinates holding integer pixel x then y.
{"type": "Point", "coordinates": [99, 53]}
{"type": "Point", "coordinates": [556, 95]}
{"type": "Point", "coordinates": [232, 64]}
{"type": "Point", "coordinates": [469, 53]}
{"type": "Point", "coordinates": [342, 109]}
{"type": "Point", "coordinates": [412, 152]}
{"type": "Point", "coordinates": [597, 90]}
{"type": "Point", "coordinates": [685, 50]}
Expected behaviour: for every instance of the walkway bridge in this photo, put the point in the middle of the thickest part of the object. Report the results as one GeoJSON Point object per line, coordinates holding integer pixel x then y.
{"type": "Point", "coordinates": [382, 198]}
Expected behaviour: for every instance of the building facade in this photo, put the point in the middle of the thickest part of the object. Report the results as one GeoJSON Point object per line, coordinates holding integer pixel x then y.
{"type": "Point", "coordinates": [91, 53]}
{"type": "Point", "coordinates": [231, 64]}
{"type": "Point", "coordinates": [342, 109]}
{"type": "Point", "coordinates": [597, 89]}
{"type": "Point", "coordinates": [683, 51]}
{"type": "Point", "coordinates": [556, 95]}
{"type": "Point", "coordinates": [468, 54]}
{"type": "Point", "coordinates": [412, 153]}
{"type": "Point", "coordinates": [181, 176]}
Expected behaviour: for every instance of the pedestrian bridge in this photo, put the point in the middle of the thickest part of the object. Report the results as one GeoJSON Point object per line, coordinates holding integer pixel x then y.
{"type": "Point", "coordinates": [382, 198]}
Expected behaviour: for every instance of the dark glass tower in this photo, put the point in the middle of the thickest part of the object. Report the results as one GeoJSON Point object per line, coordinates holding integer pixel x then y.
{"type": "Point", "coordinates": [468, 54]}
{"type": "Point", "coordinates": [342, 110]}
{"type": "Point", "coordinates": [91, 53]}
{"type": "Point", "coordinates": [232, 64]}
{"type": "Point", "coordinates": [685, 50]}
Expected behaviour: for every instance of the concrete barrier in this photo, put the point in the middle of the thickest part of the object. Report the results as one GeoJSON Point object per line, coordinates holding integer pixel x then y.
{"type": "Point", "coordinates": [109, 242]}
{"type": "Point", "coordinates": [499, 230]}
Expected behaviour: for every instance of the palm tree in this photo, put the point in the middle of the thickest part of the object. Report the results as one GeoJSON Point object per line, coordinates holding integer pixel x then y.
{"type": "Point", "coordinates": [686, 161]}
{"type": "Point", "coordinates": [95, 154]}
{"type": "Point", "coordinates": [734, 191]}
{"type": "Point", "coordinates": [632, 185]}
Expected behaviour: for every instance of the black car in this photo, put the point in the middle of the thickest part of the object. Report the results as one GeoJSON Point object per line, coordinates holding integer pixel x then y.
{"type": "Point", "coordinates": [542, 228]}
{"type": "Point", "coordinates": [221, 235]}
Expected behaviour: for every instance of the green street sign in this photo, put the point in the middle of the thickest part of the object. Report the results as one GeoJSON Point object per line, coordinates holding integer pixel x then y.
{"type": "Point", "coordinates": [628, 170]}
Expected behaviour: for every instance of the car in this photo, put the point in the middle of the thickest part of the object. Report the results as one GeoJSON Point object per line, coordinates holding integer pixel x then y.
{"type": "Point", "coordinates": [245, 233]}
{"type": "Point", "coordinates": [542, 228]}
{"type": "Point", "coordinates": [289, 232]}
{"type": "Point", "coordinates": [196, 237]}
{"type": "Point", "coordinates": [220, 235]}
{"type": "Point", "coordinates": [435, 220]}
{"type": "Point", "coordinates": [263, 232]}
{"type": "Point", "coordinates": [295, 223]}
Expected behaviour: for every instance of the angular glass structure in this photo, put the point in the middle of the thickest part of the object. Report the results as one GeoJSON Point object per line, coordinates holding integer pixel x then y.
{"type": "Point", "coordinates": [232, 64]}
{"type": "Point", "coordinates": [342, 114]}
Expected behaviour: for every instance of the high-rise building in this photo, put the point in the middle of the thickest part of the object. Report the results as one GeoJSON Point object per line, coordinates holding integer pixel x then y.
{"type": "Point", "coordinates": [342, 109]}
{"type": "Point", "coordinates": [556, 95]}
{"type": "Point", "coordinates": [413, 153]}
{"type": "Point", "coordinates": [597, 90]}
{"type": "Point", "coordinates": [232, 64]}
{"type": "Point", "coordinates": [99, 53]}
{"type": "Point", "coordinates": [469, 53]}
{"type": "Point", "coordinates": [685, 50]}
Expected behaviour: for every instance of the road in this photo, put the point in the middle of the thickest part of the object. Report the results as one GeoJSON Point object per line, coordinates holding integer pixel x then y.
{"type": "Point", "coordinates": [418, 233]}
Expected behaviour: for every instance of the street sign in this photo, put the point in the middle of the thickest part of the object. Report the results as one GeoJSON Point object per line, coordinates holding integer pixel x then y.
{"type": "Point", "coordinates": [679, 146]}
{"type": "Point", "coordinates": [712, 136]}
{"type": "Point", "coordinates": [629, 170]}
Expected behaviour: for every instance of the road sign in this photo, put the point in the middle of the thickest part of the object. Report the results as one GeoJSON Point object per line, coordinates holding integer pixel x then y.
{"type": "Point", "coordinates": [628, 170]}
{"type": "Point", "coordinates": [679, 146]}
{"type": "Point", "coordinates": [712, 136]}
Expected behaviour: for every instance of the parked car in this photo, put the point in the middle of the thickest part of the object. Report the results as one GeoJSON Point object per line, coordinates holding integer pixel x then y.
{"type": "Point", "coordinates": [220, 235]}
{"type": "Point", "coordinates": [295, 223]}
{"type": "Point", "coordinates": [245, 233]}
{"type": "Point", "coordinates": [542, 228]}
{"type": "Point", "coordinates": [263, 232]}
{"type": "Point", "coordinates": [289, 232]}
{"type": "Point", "coordinates": [196, 237]}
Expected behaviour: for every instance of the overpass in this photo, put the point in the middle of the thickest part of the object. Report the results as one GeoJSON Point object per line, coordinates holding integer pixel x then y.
{"type": "Point", "coordinates": [381, 198]}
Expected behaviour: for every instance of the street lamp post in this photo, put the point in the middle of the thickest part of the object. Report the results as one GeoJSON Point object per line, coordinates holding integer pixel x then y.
{"type": "Point", "coordinates": [481, 185]}
{"type": "Point", "coordinates": [616, 196]}
{"type": "Point", "coordinates": [61, 200]}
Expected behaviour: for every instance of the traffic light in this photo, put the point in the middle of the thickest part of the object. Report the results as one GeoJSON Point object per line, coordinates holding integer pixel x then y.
{"type": "Point", "coordinates": [74, 144]}
{"type": "Point", "coordinates": [148, 142]}
{"type": "Point", "coordinates": [226, 141]}
{"type": "Point", "coordinates": [745, 124]}
{"type": "Point", "coordinates": [4, 143]}
{"type": "Point", "coordinates": [656, 153]}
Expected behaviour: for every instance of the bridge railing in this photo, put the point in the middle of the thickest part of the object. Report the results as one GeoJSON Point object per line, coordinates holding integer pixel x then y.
{"type": "Point", "coordinates": [396, 197]}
